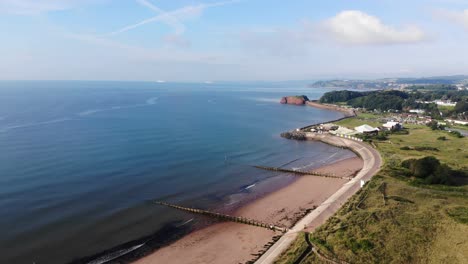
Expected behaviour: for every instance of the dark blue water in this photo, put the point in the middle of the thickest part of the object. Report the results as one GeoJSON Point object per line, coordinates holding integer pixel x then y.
{"type": "Point", "coordinates": [80, 160]}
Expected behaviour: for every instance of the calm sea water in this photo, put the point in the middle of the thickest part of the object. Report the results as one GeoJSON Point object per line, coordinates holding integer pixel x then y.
{"type": "Point", "coordinates": [80, 161]}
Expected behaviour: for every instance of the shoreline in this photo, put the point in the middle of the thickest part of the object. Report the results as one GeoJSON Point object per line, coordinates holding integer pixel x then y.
{"type": "Point", "coordinates": [237, 243]}
{"type": "Point", "coordinates": [372, 163]}
{"type": "Point", "coordinates": [215, 243]}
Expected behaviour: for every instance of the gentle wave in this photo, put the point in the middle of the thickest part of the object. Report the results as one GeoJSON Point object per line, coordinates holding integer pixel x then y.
{"type": "Point", "coordinates": [186, 222]}
{"type": "Point", "coordinates": [149, 101]}
{"type": "Point", "coordinates": [152, 100]}
{"type": "Point", "coordinates": [250, 186]}
{"type": "Point", "coordinates": [89, 112]}
{"type": "Point", "coordinates": [115, 255]}
{"type": "Point", "coordinates": [8, 128]}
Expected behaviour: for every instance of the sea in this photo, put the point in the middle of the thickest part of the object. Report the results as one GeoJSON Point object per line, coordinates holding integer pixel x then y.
{"type": "Point", "coordinates": [83, 162]}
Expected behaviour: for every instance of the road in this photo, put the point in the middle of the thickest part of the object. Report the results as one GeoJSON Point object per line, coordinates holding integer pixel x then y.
{"type": "Point", "coordinates": [372, 162]}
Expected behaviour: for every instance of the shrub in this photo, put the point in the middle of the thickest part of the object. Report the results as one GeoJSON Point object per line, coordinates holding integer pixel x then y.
{"type": "Point", "coordinates": [382, 135]}
{"type": "Point", "coordinates": [400, 132]}
{"type": "Point", "coordinates": [443, 138]}
{"type": "Point", "coordinates": [456, 134]}
{"type": "Point", "coordinates": [421, 148]}
{"type": "Point", "coordinates": [431, 171]}
{"type": "Point", "coordinates": [433, 125]}
{"type": "Point", "coordinates": [405, 148]}
{"type": "Point", "coordinates": [459, 214]}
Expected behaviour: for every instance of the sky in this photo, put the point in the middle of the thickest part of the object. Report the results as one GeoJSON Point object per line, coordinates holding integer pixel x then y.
{"type": "Point", "coordinates": [231, 40]}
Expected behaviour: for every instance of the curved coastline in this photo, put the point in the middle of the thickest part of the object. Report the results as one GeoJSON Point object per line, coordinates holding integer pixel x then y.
{"type": "Point", "coordinates": [212, 244]}
{"type": "Point", "coordinates": [228, 242]}
{"type": "Point", "coordinates": [372, 163]}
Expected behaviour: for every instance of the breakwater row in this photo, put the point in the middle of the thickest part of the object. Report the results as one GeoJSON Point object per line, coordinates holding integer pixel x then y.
{"type": "Point", "coordinates": [236, 219]}
{"type": "Point", "coordinates": [310, 173]}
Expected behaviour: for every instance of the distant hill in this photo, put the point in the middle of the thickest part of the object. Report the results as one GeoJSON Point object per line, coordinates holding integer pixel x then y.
{"type": "Point", "coordinates": [389, 83]}
{"type": "Point", "coordinates": [455, 79]}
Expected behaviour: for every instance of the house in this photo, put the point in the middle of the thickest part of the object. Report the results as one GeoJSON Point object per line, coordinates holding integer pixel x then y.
{"type": "Point", "coordinates": [417, 111]}
{"type": "Point", "coordinates": [392, 125]}
{"type": "Point", "coordinates": [366, 129]}
{"type": "Point", "coordinates": [459, 122]}
{"type": "Point", "coordinates": [445, 103]}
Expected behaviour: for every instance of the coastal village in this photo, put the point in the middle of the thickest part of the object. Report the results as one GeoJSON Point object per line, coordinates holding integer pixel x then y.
{"type": "Point", "coordinates": [401, 137]}
{"type": "Point", "coordinates": [377, 187]}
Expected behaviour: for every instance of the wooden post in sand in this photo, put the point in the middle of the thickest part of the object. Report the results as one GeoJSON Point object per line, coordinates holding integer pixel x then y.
{"type": "Point", "coordinates": [236, 219]}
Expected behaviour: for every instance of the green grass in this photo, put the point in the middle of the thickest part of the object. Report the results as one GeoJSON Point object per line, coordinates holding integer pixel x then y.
{"type": "Point", "coordinates": [294, 251]}
{"type": "Point", "coordinates": [416, 223]}
{"type": "Point", "coordinates": [362, 118]}
{"type": "Point", "coordinates": [459, 214]}
{"type": "Point", "coordinates": [458, 126]}
{"type": "Point", "coordinates": [453, 151]}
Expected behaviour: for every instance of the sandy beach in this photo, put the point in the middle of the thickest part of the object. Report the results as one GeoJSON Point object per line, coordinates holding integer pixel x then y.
{"type": "Point", "coordinates": [238, 243]}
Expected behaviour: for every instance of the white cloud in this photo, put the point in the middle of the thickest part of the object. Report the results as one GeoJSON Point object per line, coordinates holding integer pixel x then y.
{"type": "Point", "coordinates": [356, 27]}
{"type": "Point", "coordinates": [459, 17]}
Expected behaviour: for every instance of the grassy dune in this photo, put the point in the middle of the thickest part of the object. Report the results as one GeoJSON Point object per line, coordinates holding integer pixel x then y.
{"type": "Point", "coordinates": [394, 219]}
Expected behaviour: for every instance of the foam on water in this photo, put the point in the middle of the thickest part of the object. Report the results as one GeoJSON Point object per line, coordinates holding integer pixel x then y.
{"type": "Point", "coordinates": [186, 222]}
{"type": "Point", "coordinates": [250, 186]}
{"type": "Point", "coordinates": [115, 255]}
{"type": "Point", "coordinates": [152, 100]}
{"type": "Point", "coordinates": [149, 102]}
{"type": "Point", "coordinates": [27, 125]}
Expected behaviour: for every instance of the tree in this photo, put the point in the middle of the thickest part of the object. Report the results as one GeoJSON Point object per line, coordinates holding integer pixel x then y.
{"type": "Point", "coordinates": [461, 107]}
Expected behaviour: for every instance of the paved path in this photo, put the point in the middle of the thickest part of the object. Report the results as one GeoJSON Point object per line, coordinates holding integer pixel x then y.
{"type": "Point", "coordinates": [372, 163]}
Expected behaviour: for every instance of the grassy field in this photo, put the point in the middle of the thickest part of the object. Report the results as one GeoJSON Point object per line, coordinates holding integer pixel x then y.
{"type": "Point", "coordinates": [362, 118]}
{"type": "Point", "coordinates": [394, 220]}
{"type": "Point", "coordinates": [458, 126]}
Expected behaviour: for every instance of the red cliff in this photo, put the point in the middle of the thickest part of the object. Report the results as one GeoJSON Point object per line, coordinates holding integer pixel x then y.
{"type": "Point", "coordinates": [295, 100]}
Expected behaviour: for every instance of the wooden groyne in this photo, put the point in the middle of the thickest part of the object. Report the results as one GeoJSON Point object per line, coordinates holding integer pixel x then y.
{"type": "Point", "coordinates": [236, 219]}
{"type": "Point", "coordinates": [306, 173]}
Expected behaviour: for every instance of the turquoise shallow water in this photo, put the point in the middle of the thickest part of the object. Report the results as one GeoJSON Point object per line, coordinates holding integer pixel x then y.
{"type": "Point", "coordinates": [79, 161]}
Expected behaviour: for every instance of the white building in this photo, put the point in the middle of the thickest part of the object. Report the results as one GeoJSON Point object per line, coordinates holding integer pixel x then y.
{"type": "Point", "coordinates": [444, 102]}
{"type": "Point", "coordinates": [459, 122]}
{"type": "Point", "coordinates": [417, 111]}
{"type": "Point", "coordinates": [365, 129]}
{"type": "Point", "coordinates": [392, 125]}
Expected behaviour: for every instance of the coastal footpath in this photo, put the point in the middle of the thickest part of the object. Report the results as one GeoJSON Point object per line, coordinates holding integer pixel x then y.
{"type": "Point", "coordinates": [372, 163]}
{"type": "Point", "coordinates": [348, 112]}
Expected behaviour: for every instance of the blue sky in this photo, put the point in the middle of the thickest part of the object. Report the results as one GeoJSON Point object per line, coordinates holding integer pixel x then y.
{"type": "Point", "coordinates": [191, 40]}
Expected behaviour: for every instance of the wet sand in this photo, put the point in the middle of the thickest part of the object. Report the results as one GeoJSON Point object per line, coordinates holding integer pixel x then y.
{"type": "Point", "coordinates": [238, 243]}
